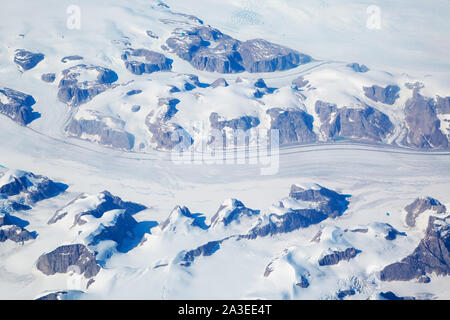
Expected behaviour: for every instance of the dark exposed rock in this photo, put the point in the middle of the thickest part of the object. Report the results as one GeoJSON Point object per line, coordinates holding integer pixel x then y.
{"type": "Point", "coordinates": [329, 204]}
{"type": "Point", "coordinates": [423, 124]}
{"type": "Point", "coordinates": [386, 95]}
{"type": "Point", "coordinates": [392, 233]}
{"type": "Point", "coordinates": [133, 92]}
{"type": "Point", "coordinates": [443, 105]}
{"type": "Point", "coordinates": [209, 49]}
{"type": "Point", "coordinates": [63, 258]}
{"type": "Point", "coordinates": [293, 125]}
{"type": "Point", "coordinates": [48, 77]}
{"type": "Point", "coordinates": [337, 256]}
{"type": "Point", "coordinates": [431, 255]}
{"type": "Point", "coordinates": [27, 60]}
{"type": "Point", "coordinates": [120, 232]}
{"type": "Point", "coordinates": [221, 82]}
{"type": "Point", "coordinates": [17, 106]}
{"type": "Point", "coordinates": [333, 204]}
{"type": "Point", "coordinates": [71, 58]}
{"type": "Point", "coordinates": [135, 108]}
{"type": "Point", "coordinates": [259, 55]}
{"type": "Point", "coordinates": [389, 295]}
{"type": "Point", "coordinates": [345, 293]}
{"type": "Point", "coordinates": [31, 188]}
{"type": "Point", "coordinates": [167, 135]}
{"type": "Point", "coordinates": [420, 205]}
{"type": "Point", "coordinates": [10, 231]}
{"type": "Point", "coordinates": [74, 91]}
{"type": "Point", "coordinates": [205, 250]}
{"type": "Point", "coordinates": [243, 123]}
{"type": "Point", "coordinates": [304, 283]}
{"type": "Point", "coordinates": [232, 211]}
{"type": "Point", "coordinates": [299, 83]}
{"type": "Point", "coordinates": [101, 132]}
{"type": "Point", "coordinates": [290, 221]}
{"type": "Point", "coordinates": [151, 34]}
{"type": "Point", "coordinates": [262, 88]}
{"type": "Point", "coordinates": [357, 67]}
{"type": "Point", "coordinates": [153, 61]}
{"type": "Point", "coordinates": [363, 123]}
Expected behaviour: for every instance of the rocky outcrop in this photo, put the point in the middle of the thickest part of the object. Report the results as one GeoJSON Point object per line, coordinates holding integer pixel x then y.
{"type": "Point", "coordinates": [17, 106]}
{"type": "Point", "coordinates": [167, 135]}
{"type": "Point", "coordinates": [71, 58]}
{"type": "Point", "coordinates": [99, 204]}
{"type": "Point", "coordinates": [431, 255]}
{"type": "Point", "coordinates": [27, 60]}
{"type": "Point", "coordinates": [63, 258]}
{"type": "Point", "coordinates": [97, 128]}
{"type": "Point", "coordinates": [442, 105]}
{"type": "Point", "coordinates": [423, 124]}
{"type": "Point", "coordinates": [337, 256]}
{"type": "Point", "coordinates": [210, 50]}
{"type": "Point", "coordinates": [389, 295]}
{"type": "Point", "coordinates": [259, 55]}
{"type": "Point", "coordinates": [11, 230]}
{"type": "Point", "coordinates": [205, 250]}
{"type": "Point", "coordinates": [299, 83]}
{"type": "Point", "coordinates": [243, 123]}
{"type": "Point", "coordinates": [420, 205]}
{"type": "Point", "coordinates": [27, 188]}
{"type": "Point", "coordinates": [386, 95]}
{"type": "Point", "coordinates": [232, 211]}
{"type": "Point", "coordinates": [81, 83]}
{"type": "Point", "coordinates": [358, 68]}
{"type": "Point", "coordinates": [133, 92]}
{"type": "Point", "coordinates": [324, 204]}
{"type": "Point", "coordinates": [330, 202]}
{"type": "Point", "coordinates": [48, 77]}
{"type": "Point", "coordinates": [364, 123]}
{"type": "Point", "coordinates": [221, 82]}
{"type": "Point", "coordinates": [141, 61]}
{"type": "Point", "coordinates": [294, 126]}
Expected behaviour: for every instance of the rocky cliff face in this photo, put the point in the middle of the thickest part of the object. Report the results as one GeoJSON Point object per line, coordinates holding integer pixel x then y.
{"type": "Point", "coordinates": [141, 61]}
{"type": "Point", "coordinates": [97, 128]}
{"type": "Point", "coordinates": [63, 258]}
{"type": "Point", "coordinates": [293, 125]}
{"type": "Point", "coordinates": [17, 106]}
{"type": "Point", "coordinates": [166, 134]}
{"type": "Point", "coordinates": [432, 255]}
{"type": "Point", "coordinates": [420, 205]}
{"type": "Point", "coordinates": [10, 230]}
{"type": "Point", "coordinates": [336, 256]}
{"type": "Point", "coordinates": [324, 204]}
{"type": "Point", "coordinates": [27, 60]}
{"type": "Point", "coordinates": [386, 95]}
{"type": "Point", "coordinates": [81, 83]}
{"type": "Point", "coordinates": [364, 123]}
{"type": "Point", "coordinates": [210, 50]}
{"type": "Point", "coordinates": [423, 124]}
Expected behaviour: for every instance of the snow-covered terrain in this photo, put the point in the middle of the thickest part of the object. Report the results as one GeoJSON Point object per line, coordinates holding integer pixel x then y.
{"type": "Point", "coordinates": [95, 98]}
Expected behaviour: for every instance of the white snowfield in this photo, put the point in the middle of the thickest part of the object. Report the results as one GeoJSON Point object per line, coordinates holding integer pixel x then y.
{"type": "Point", "coordinates": [380, 178]}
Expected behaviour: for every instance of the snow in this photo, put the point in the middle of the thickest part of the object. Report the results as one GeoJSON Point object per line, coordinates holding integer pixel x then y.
{"type": "Point", "coordinates": [380, 178]}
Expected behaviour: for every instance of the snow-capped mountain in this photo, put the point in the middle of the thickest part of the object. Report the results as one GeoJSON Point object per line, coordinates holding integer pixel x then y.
{"type": "Point", "coordinates": [98, 99]}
